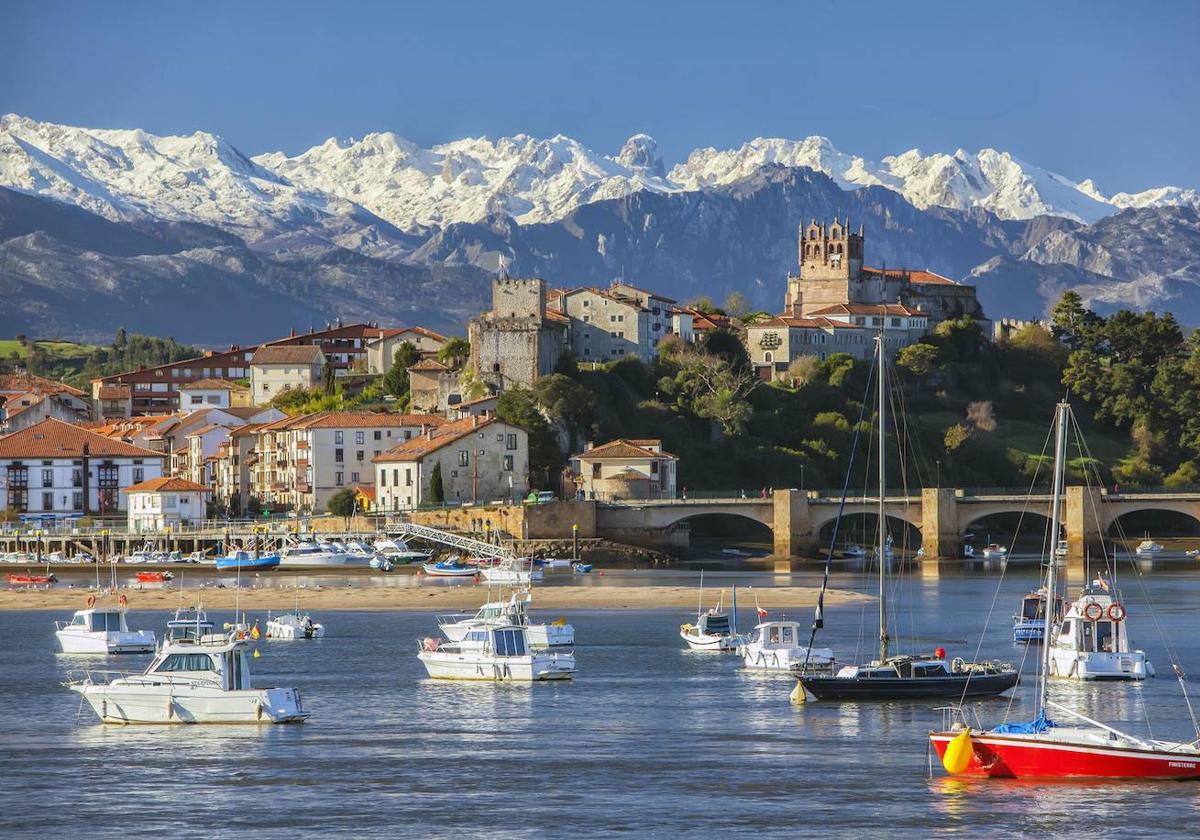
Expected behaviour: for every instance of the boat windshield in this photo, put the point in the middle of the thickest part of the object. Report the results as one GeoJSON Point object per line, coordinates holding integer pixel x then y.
{"type": "Point", "coordinates": [716, 625]}
{"type": "Point", "coordinates": [780, 635]}
{"type": "Point", "coordinates": [187, 662]}
{"type": "Point", "coordinates": [1034, 608]}
{"type": "Point", "coordinates": [106, 621]}
{"type": "Point", "coordinates": [510, 643]}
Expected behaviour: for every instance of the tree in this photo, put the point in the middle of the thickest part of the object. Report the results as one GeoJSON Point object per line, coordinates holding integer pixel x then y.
{"type": "Point", "coordinates": [437, 491]}
{"type": "Point", "coordinates": [567, 364]}
{"type": "Point", "coordinates": [395, 381]}
{"type": "Point", "coordinates": [803, 370]}
{"type": "Point", "coordinates": [519, 407]}
{"type": "Point", "coordinates": [727, 345]}
{"type": "Point", "coordinates": [918, 359]}
{"type": "Point", "coordinates": [454, 353]}
{"type": "Point", "coordinates": [1073, 324]}
{"type": "Point", "coordinates": [343, 503]}
{"type": "Point", "coordinates": [121, 340]}
{"type": "Point", "coordinates": [330, 385]}
{"type": "Point", "coordinates": [712, 388]}
{"type": "Point", "coordinates": [736, 304]}
{"type": "Point", "coordinates": [705, 304]}
{"type": "Point", "coordinates": [567, 404]}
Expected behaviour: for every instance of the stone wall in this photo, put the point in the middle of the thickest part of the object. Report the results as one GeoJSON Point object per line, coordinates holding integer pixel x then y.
{"type": "Point", "coordinates": [551, 521]}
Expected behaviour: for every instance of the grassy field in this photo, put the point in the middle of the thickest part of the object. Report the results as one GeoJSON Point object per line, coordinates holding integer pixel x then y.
{"type": "Point", "coordinates": [57, 350]}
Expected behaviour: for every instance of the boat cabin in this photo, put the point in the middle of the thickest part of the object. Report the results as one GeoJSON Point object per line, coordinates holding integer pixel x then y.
{"type": "Point", "coordinates": [221, 664]}
{"type": "Point", "coordinates": [776, 635]}
{"type": "Point", "coordinates": [99, 621]}
{"type": "Point", "coordinates": [1102, 635]}
{"type": "Point", "coordinates": [900, 667]}
{"type": "Point", "coordinates": [507, 640]}
{"type": "Point", "coordinates": [1033, 607]}
{"type": "Point", "coordinates": [714, 623]}
{"type": "Point", "coordinates": [189, 624]}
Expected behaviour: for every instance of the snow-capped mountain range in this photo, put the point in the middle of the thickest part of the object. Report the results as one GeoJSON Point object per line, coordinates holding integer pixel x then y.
{"type": "Point", "coordinates": [121, 174]}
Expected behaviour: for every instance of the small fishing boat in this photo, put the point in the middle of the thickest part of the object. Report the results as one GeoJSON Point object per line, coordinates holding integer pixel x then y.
{"type": "Point", "coordinates": [103, 631]}
{"type": "Point", "coordinates": [512, 570]}
{"type": "Point", "coordinates": [247, 561]}
{"type": "Point", "coordinates": [775, 646]}
{"type": "Point", "coordinates": [31, 579]}
{"type": "Point", "coordinates": [398, 551]}
{"type": "Point", "coordinates": [714, 630]}
{"type": "Point", "coordinates": [994, 551]}
{"type": "Point", "coordinates": [382, 564]}
{"type": "Point", "coordinates": [1148, 548]}
{"type": "Point", "coordinates": [853, 551]}
{"type": "Point", "coordinates": [493, 654]}
{"type": "Point", "coordinates": [1029, 625]}
{"type": "Point", "coordinates": [1042, 748]}
{"type": "Point", "coordinates": [190, 681]}
{"type": "Point", "coordinates": [450, 567]}
{"type": "Point", "coordinates": [581, 568]}
{"type": "Point", "coordinates": [294, 625]}
{"type": "Point", "coordinates": [154, 577]}
{"type": "Point", "coordinates": [1092, 640]}
{"type": "Point", "coordinates": [513, 612]}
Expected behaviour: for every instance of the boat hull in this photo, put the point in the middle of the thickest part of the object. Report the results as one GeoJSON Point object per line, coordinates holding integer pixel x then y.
{"type": "Point", "coordinates": [289, 632]}
{"type": "Point", "coordinates": [324, 560]}
{"type": "Point", "coordinates": [227, 564]}
{"type": "Point", "coordinates": [868, 689]}
{"type": "Point", "coordinates": [433, 571]}
{"type": "Point", "coordinates": [705, 642]}
{"type": "Point", "coordinates": [1012, 757]}
{"type": "Point", "coordinates": [1069, 664]}
{"type": "Point", "coordinates": [442, 665]}
{"type": "Point", "coordinates": [178, 704]}
{"type": "Point", "coordinates": [105, 643]}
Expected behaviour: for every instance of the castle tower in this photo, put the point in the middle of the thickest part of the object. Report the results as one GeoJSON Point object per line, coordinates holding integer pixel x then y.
{"type": "Point", "coordinates": [831, 260]}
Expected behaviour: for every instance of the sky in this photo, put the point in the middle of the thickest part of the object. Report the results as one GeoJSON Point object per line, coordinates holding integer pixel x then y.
{"type": "Point", "coordinates": [1106, 90]}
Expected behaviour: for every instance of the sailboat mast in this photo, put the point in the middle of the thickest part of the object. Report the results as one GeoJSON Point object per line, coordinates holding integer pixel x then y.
{"type": "Point", "coordinates": [882, 547]}
{"type": "Point", "coordinates": [1060, 458]}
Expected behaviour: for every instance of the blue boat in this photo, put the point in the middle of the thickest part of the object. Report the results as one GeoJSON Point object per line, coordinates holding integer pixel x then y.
{"type": "Point", "coordinates": [581, 568]}
{"type": "Point", "coordinates": [246, 561]}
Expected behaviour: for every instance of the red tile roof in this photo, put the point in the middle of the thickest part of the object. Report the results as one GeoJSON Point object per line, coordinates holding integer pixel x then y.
{"type": "Point", "coordinates": [623, 449]}
{"type": "Point", "coordinates": [446, 434]}
{"type": "Point", "coordinates": [923, 276]}
{"type": "Point", "coordinates": [392, 332]}
{"type": "Point", "coordinates": [114, 392]}
{"type": "Point", "coordinates": [288, 354]}
{"type": "Point", "coordinates": [165, 485]}
{"type": "Point", "coordinates": [55, 439]}
{"type": "Point", "coordinates": [429, 364]}
{"type": "Point", "coordinates": [869, 309]}
{"type": "Point", "coordinates": [28, 382]}
{"type": "Point", "coordinates": [806, 323]}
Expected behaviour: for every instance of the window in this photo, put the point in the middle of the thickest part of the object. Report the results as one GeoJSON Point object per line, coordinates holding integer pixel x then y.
{"type": "Point", "coordinates": [383, 478]}
{"type": "Point", "coordinates": [408, 478]}
{"type": "Point", "coordinates": [184, 661]}
{"type": "Point", "coordinates": [379, 434]}
{"type": "Point", "coordinates": [510, 441]}
{"type": "Point", "coordinates": [337, 479]}
{"type": "Point", "coordinates": [77, 478]}
{"type": "Point", "coordinates": [358, 456]}
{"type": "Point", "coordinates": [339, 455]}
{"type": "Point", "coordinates": [396, 477]}
{"type": "Point", "coordinates": [47, 478]}
{"type": "Point", "coordinates": [654, 468]}
{"type": "Point", "coordinates": [48, 501]}
{"type": "Point", "coordinates": [196, 399]}
{"type": "Point", "coordinates": [596, 470]}
{"type": "Point", "coordinates": [464, 457]}
{"type": "Point", "coordinates": [508, 463]}
{"type": "Point", "coordinates": [768, 358]}
{"type": "Point", "coordinates": [360, 438]}
{"type": "Point", "coordinates": [354, 478]}
{"type": "Point", "coordinates": [139, 474]}
{"type": "Point", "coordinates": [337, 437]}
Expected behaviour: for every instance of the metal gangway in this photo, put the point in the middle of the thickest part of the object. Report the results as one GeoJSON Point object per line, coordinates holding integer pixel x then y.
{"type": "Point", "coordinates": [474, 547]}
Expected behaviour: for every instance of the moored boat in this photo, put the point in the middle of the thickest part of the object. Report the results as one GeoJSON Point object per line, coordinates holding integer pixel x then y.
{"type": "Point", "coordinates": [294, 625]}
{"type": "Point", "coordinates": [1042, 748]}
{"type": "Point", "coordinates": [1029, 625]}
{"type": "Point", "coordinates": [247, 561]}
{"type": "Point", "coordinates": [775, 646]}
{"type": "Point", "coordinates": [450, 567]}
{"type": "Point", "coordinates": [154, 577]}
{"type": "Point", "coordinates": [513, 612]}
{"type": "Point", "coordinates": [994, 551]}
{"type": "Point", "coordinates": [518, 570]}
{"type": "Point", "coordinates": [494, 654]}
{"type": "Point", "coordinates": [190, 681]}
{"type": "Point", "coordinates": [1092, 640]}
{"type": "Point", "coordinates": [1148, 548]}
{"type": "Point", "coordinates": [31, 579]}
{"type": "Point", "coordinates": [102, 631]}
{"type": "Point", "coordinates": [714, 630]}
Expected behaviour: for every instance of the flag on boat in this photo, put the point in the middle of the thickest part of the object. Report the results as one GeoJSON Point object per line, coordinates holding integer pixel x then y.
{"type": "Point", "coordinates": [762, 613]}
{"type": "Point", "coordinates": [254, 632]}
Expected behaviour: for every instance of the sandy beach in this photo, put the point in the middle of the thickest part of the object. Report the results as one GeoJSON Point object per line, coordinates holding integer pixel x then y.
{"type": "Point", "coordinates": [433, 597]}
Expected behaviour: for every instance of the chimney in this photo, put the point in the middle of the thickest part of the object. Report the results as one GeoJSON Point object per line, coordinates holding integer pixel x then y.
{"type": "Point", "coordinates": [292, 332]}
{"type": "Point", "coordinates": [589, 446]}
{"type": "Point", "coordinates": [474, 421]}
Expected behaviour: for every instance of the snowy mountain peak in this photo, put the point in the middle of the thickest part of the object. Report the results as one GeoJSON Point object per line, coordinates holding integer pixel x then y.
{"type": "Point", "coordinates": [640, 152]}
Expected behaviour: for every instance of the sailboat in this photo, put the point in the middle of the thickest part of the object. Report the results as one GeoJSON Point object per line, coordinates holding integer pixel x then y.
{"type": "Point", "coordinates": [904, 677]}
{"type": "Point", "coordinates": [1042, 748]}
{"type": "Point", "coordinates": [715, 629]}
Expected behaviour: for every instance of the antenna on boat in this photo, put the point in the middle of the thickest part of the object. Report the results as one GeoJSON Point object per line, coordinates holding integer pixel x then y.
{"type": "Point", "coordinates": [700, 597]}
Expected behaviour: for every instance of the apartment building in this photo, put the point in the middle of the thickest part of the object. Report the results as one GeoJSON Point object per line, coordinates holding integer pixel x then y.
{"type": "Point", "coordinates": [775, 343]}
{"type": "Point", "coordinates": [274, 369]}
{"type": "Point", "coordinates": [298, 463]}
{"type": "Point", "coordinates": [56, 469]}
{"type": "Point", "coordinates": [613, 323]}
{"type": "Point", "coordinates": [214, 393]}
{"type": "Point", "coordinates": [381, 351]}
{"type": "Point", "coordinates": [478, 459]}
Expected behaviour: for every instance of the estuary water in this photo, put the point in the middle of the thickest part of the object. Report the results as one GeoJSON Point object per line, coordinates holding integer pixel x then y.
{"type": "Point", "coordinates": [648, 740]}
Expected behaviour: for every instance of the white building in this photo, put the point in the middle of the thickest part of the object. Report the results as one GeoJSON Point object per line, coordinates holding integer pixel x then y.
{"type": "Point", "coordinates": [56, 469]}
{"type": "Point", "coordinates": [481, 459]}
{"type": "Point", "coordinates": [620, 321]}
{"type": "Point", "coordinates": [276, 367]}
{"type": "Point", "coordinates": [212, 393]}
{"type": "Point", "coordinates": [161, 503]}
{"type": "Point", "coordinates": [626, 469]}
{"type": "Point", "coordinates": [381, 352]}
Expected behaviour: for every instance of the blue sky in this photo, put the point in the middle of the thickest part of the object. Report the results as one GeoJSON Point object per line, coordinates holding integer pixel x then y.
{"type": "Point", "coordinates": [1107, 90]}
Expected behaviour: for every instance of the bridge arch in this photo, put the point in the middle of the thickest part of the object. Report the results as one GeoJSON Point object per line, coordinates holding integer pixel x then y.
{"type": "Point", "coordinates": [1158, 519]}
{"type": "Point", "coordinates": [860, 528]}
{"type": "Point", "coordinates": [1023, 528]}
{"type": "Point", "coordinates": [821, 516]}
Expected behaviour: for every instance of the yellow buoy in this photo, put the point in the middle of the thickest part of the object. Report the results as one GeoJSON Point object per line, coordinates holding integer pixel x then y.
{"type": "Point", "coordinates": [798, 695]}
{"type": "Point", "coordinates": [958, 753]}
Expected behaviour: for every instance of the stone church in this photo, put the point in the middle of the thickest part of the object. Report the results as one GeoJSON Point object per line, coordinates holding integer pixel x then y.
{"type": "Point", "coordinates": [832, 274]}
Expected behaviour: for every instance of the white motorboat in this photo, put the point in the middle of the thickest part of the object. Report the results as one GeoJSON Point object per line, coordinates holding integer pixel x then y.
{"type": "Point", "coordinates": [968, 550]}
{"type": "Point", "coordinates": [1148, 548]}
{"type": "Point", "coordinates": [398, 551]}
{"type": "Point", "coordinates": [775, 646]}
{"type": "Point", "coordinates": [511, 613]}
{"type": "Point", "coordinates": [310, 553]}
{"type": "Point", "coordinates": [494, 654]}
{"type": "Point", "coordinates": [517, 570]}
{"type": "Point", "coordinates": [294, 625]}
{"type": "Point", "coordinates": [190, 681]}
{"type": "Point", "coordinates": [715, 629]}
{"type": "Point", "coordinates": [382, 563]}
{"type": "Point", "coordinates": [102, 630]}
{"type": "Point", "coordinates": [1092, 642]}
{"type": "Point", "coordinates": [994, 551]}
{"type": "Point", "coordinates": [854, 551]}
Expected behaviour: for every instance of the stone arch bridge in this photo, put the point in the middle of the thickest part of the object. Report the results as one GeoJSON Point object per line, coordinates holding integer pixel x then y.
{"type": "Point", "coordinates": [942, 516]}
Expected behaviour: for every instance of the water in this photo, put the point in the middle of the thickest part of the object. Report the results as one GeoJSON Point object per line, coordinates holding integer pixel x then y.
{"type": "Point", "coordinates": [650, 739]}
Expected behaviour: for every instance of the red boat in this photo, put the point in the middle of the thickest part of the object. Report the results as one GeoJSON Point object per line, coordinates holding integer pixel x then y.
{"type": "Point", "coordinates": [28, 579]}
{"type": "Point", "coordinates": [154, 577]}
{"type": "Point", "coordinates": [1042, 749]}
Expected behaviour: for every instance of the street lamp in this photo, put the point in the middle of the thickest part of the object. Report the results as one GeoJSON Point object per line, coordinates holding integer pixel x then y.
{"type": "Point", "coordinates": [939, 473]}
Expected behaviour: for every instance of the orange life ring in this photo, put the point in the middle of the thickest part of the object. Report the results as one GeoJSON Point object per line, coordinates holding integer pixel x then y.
{"type": "Point", "coordinates": [91, 602]}
{"type": "Point", "coordinates": [123, 601]}
{"type": "Point", "coordinates": [1116, 612]}
{"type": "Point", "coordinates": [1093, 616]}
